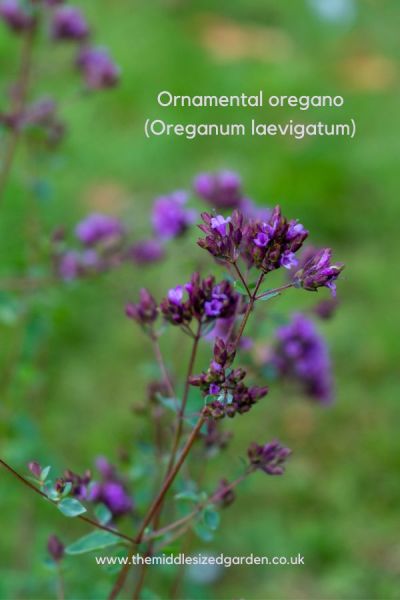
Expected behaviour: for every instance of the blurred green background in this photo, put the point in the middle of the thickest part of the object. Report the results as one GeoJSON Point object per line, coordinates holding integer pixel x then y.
{"type": "Point", "coordinates": [73, 367]}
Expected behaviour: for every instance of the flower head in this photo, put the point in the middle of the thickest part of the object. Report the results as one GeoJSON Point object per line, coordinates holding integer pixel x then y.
{"type": "Point", "coordinates": [99, 228]}
{"type": "Point", "coordinates": [68, 23]}
{"type": "Point", "coordinates": [271, 244]}
{"type": "Point", "coordinates": [222, 235]}
{"type": "Point", "coordinates": [170, 217]}
{"type": "Point", "coordinates": [319, 272]}
{"type": "Point", "coordinates": [146, 252]}
{"type": "Point", "coordinates": [300, 354]}
{"type": "Point", "coordinates": [222, 190]}
{"type": "Point", "coordinates": [270, 458]}
{"type": "Point", "coordinates": [98, 68]}
{"type": "Point", "coordinates": [110, 490]}
{"type": "Point", "coordinates": [17, 15]}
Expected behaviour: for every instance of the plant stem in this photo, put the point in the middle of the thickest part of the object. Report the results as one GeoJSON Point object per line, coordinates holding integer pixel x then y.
{"type": "Point", "coordinates": [242, 279]}
{"type": "Point", "coordinates": [17, 106]}
{"type": "Point", "coordinates": [277, 290]}
{"type": "Point", "coordinates": [80, 517]}
{"type": "Point", "coordinates": [161, 364]}
{"type": "Point", "coordinates": [156, 505]}
{"type": "Point", "coordinates": [181, 412]}
{"type": "Point", "coordinates": [249, 308]}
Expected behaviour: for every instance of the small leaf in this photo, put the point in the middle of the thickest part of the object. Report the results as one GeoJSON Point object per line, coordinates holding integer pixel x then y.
{"type": "Point", "coordinates": [211, 518]}
{"type": "Point", "coordinates": [239, 287]}
{"type": "Point", "coordinates": [103, 514]}
{"type": "Point", "coordinates": [170, 403]}
{"type": "Point", "coordinates": [188, 495]}
{"type": "Point", "coordinates": [67, 489]}
{"type": "Point", "coordinates": [268, 296]}
{"type": "Point", "coordinates": [44, 473]}
{"type": "Point", "coordinates": [97, 540]}
{"type": "Point", "coordinates": [71, 507]}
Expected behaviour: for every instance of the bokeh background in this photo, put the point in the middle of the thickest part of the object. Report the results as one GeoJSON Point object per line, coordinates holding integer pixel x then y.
{"type": "Point", "coordinates": [72, 367]}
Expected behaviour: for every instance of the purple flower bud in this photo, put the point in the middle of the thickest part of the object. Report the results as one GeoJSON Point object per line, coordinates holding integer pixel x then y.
{"type": "Point", "coordinates": [222, 235]}
{"type": "Point", "coordinates": [145, 312]}
{"type": "Point", "coordinates": [175, 295]}
{"type": "Point", "coordinates": [97, 68]}
{"type": "Point", "coordinates": [17, 15]}
{"type": "Point", "coordinates": [170, 217]}
{"type": "Point", "coordinates": [115, 498]}
{"type": "Point", "coordinates": [68, 23]}
{"type": "Point", "coordinates": [222, 190]}
{"type": "Point", "coordinates": [35, 469]}
{"type": "Point", "coordinates": [224, 494]}
{"type": "Point", "coordinates": [98, 228]}
{"type": "Point", "coordinates": [55, 548]}
{"type": "Point", "coordinates": [214, 389]}
{"type": "Point", "coordinates": [69, 266]}
{"type": "Point", "coordinates": [105, 468]}
{"type": "Point", "coordinates": [270, 458]}
{"type": "Point", "coordinates": [146, 251]}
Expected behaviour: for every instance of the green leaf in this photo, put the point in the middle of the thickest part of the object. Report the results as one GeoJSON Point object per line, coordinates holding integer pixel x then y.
{"type": "Point", "coordinates": [103, 514]}
{"type": "Point", "coordinates": [97, 540]}
{"type": "Point", "coordinates": [170, 403]}
{"type": "Point", "coordinates": [190, 496]}
{"type": "Point", "coordinates": [268, 296]}
{"type": "Point", "coordinates": [67, 489]}
{"type": "Point", "coordinates": [239, 287]}
{"type": "Point", "coordinates": [71, 507]}
{"type": "Point", "coordinates": [203, 532]}
{"type": "Point", "coordinates": [211, 518]}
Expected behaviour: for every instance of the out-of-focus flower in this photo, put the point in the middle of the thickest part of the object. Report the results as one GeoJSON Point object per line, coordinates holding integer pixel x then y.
{"type": "Point", "coordinates": [17, 15]}
{"type": "Point", "coordinates": [253, 211]}
{"type": "Point", "coordinates": [215, 439]}
{"type": "Point", "coordinates": [301, 354]}
{"type": "Point", "coordinates": [170, 217]}
{"type": "Point", "coordinates": [145, 312]}
{"type": "Point", "coordinates": [79, 483]}
{"type": "Point", "coordinates": [111, 490]}
{"type": "Point", "coordinates": [68, 23]}
{"type": "Point", "coordinates": [55, 548]}
{"type": "Point", "coordinates": [270, 458]}
{"type": "Point", "coordinates": [222, 235]}
{"type": "Point", "coordinates": [231, 395]}
{"type": "Point", "coordinates": [223, 190]}
{"type": "Point", "coordinates": [146, 251]}
{"type": "Point", "coordinates": [40, 115]}
{"type": "Point", "coordinates": [319, 272]}
{"type": "Point", "coordinates": [326, 308]}
{"type": "Point", "coordinates": [98, 68]}
{"type": "Point", "coordinates": [200, 299]}
{"type": "Point", "coordinates": [69, 265]}
{"type": "Point", "coordinates": [99, 228]}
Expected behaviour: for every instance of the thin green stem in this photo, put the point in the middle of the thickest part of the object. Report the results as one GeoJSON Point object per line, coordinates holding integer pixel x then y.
{"type": "Point", "coordinates": [242, 279]}
{"type": "Point", "coordinates": [277, 290]}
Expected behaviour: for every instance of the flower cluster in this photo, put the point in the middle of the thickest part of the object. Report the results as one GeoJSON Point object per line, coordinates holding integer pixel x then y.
{"type": "Point", "coordinates": [223, 190]}
{"type": "Point", "coordinates": [200, 299]}
{"type": "Point", "coordinates": [223, 235]}
{"type": "Point", "coordinates": [79, 484]}
{"type": "Point", "coordinates": [97, 67]}
{"type": "Point", "coordinates": [270, 458]}
{"type": "Point", "coordinates": [110, 490]}
{"type": "Point", "coordinates": [18, 16]}
{"type": "Point", "coordinates": [300, 354]}
{"type": "Point", "coordinates": [223, 386]}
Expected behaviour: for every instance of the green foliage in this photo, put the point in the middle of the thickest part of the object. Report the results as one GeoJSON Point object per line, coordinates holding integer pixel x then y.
{"type": "Point", "coordinates": [97, 540]}
{"type": "Point", "coordinates": [71, 507]}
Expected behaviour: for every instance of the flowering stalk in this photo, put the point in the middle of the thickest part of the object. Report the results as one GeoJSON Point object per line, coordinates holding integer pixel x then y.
{"type": "Point", "coordinates": [81, 517]}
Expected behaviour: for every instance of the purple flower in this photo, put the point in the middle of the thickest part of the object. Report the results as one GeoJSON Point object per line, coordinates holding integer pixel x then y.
{"type": "Point", "coordinates": [17, 15]}
{"type": "Point", "coordinates": [288, 260]}
{"type": "Point", "coordinates": [318, 272]}
{"type": "Point", "coordinates": [55, 548]}
{"type": "Point", "coordinates": [270, 458]}
{"type": "Point", "coordinates": [261, 239]}
{"type": "Point", "coordinates": [69, 265]}
{"type": "Point", "coordinates": [175, 295]}
{"type": "Point", "coordinates": [111, 490]}
{"type": "Point", "coordinates": [214, 389]}
{"type": "Point", "coordinates": [301, 355]}
{"type": "Point", "coordinates": [170, 217]}
{"type": "Point", "coordinates": [98, 228]}
{"type": "Point", "coordinates": [35, 469]}
{"type": "Point", "coordinates": [145, 312]}
{"type": "Point", "coordinates": [326, 308]}
{"type": "Point", "coordinates": [98, 68]}
{"type": "Point", "coordinates": [68, 23]}
{"type": "Point", "coordinates": [146, 251]}
{"type": "Point", "coordinates": [219, 223]}
{"type": "Point", "coordinates": [222, 190]}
